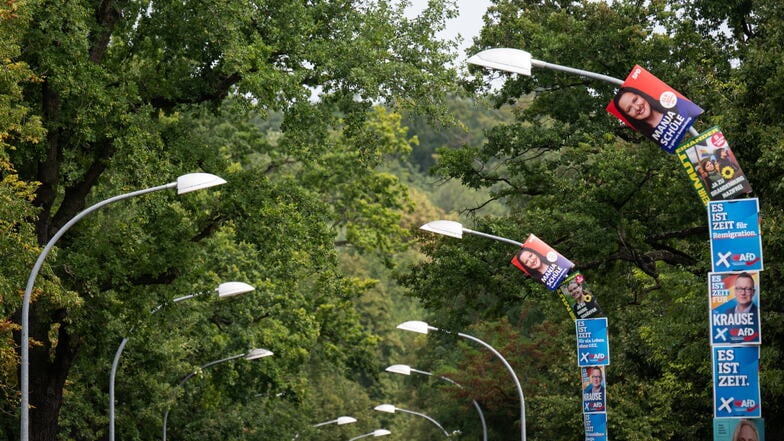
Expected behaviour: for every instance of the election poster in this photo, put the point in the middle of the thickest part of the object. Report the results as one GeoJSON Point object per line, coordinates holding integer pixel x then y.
{"type": "Point", "coordinates": [734, 308]}
{"type": "Point", "coordinates": [593, 345]}
{"type": "Point", "coordinates": [595, 426]}
{"type": "Point", "coordinates": [734, 229]}
{"type": "Point", "coordinates": [650, 106]}
{"type": "Point", "coordinates": [737, 429]}
{"type": "Point", "coordinates": [594, 387]}
{"type": "Point", "coordinates": [541, 262]}
{"type": "Point", "coordinates": [582, 302]}
{"type": "Point", "coordinates": [736, 388]}
{"type": "Point", "coordinates": [712, 168]}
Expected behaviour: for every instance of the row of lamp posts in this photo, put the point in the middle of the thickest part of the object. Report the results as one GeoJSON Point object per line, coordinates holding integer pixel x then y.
{"type": "Point", "coordinates": [506, 59]}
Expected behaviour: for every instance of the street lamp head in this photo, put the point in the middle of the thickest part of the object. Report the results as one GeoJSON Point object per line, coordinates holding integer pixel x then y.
{"type": "Point", "coordinates": [228, 289]}
{"type": "Point", "coordinates": [444, 227]}
{"type": "Point", "coordinates": [257, 353]}
{"type": "Point", "coordinates": [414, 326]}
{"type": "Point", "coordinates": [400, 369]}
{"type": "Point", "coordinates": [381, 432]}
{"type": "Point", "coordinates": [345, 420]}
{"type": "Point", "coordinates": [388, 408]}
{"type": "Point", "coordinates": [197, 181]}
{"type": "Point", "coordinates": [506, 59]}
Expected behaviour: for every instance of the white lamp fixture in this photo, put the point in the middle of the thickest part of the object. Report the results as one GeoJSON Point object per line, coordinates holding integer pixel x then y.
{"type": "Point", "coordinates": [399, 369]}
{"type": "Point", "coordinates": [388, 408]}
{"type": "Point", "coordinates": [229, 289]}
{"type": "Point", "coordinates": [345, 420]}
{"type": "Point", "coordinates": [415, 326]}
{"type": "Point", "coordinates": [257, 353]}
{"type": "Point", "coordinates": [197, 181]}
{"type": "Point", "coordinates": [444, 227]}
{"type": "Point", "coordinates": [506, 59]}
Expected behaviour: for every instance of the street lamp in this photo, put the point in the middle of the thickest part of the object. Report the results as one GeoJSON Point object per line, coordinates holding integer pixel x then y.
{"type": "Point", "coordinates": [226, 289]}
{"type": "Point", "coordinates": [389, 408]}
{"type": "Point", "coordinates": [339, 421]}
{"type": "Point", "coordinates": [405, 369]}
{"type": "Point", "coordinates": [377, 432]}
{"type": "Point", "coordinates": [253, 354]}
{"type": "Point", "coordinates": [184, 184]}
{"type": "Point", "coordinates": [521, 62]}
{"type": "Point", "coordinates": [456, 229]}
{"type": "Point", "coordinates": [424, 328]}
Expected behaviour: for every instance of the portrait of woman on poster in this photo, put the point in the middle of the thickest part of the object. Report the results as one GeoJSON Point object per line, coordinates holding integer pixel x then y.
{"type": "Point", "coordinates": [533, 262]}
{"type": "Point", "coordinates": [711, 170]}
{"type": "Point", "coordinates": [641, 110]}
{"type": "Point", "coordinates": [745, 431]}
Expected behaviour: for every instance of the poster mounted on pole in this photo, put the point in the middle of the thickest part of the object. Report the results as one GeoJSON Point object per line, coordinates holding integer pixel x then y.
{"type": "Point", "coordinates": [734, 308]}
{"type": "Point", "coordinates": [541, 262]}
{"type": "Point", "coordinates": [712, 167]}
{"type": "Point", "coordinates": [581, 299]}
{"type": "Point", "coordinates": [734, 228]}
{"type": "Point", "coordinates": [736, 388]}
{"type": "Point", "coordinates": [593, 345]}
{"type": "Point", "coordinates": [648, 105]}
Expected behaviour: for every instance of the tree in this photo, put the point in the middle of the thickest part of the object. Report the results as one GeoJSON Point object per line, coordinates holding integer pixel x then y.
{"type": "Point", "coordinates": [133, 94]}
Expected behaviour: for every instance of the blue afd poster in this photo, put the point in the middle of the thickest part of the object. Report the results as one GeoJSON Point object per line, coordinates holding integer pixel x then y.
{"type": "Point", "coordinates": [595, 426]}
{"type": "Point", "coordinates": [734, 308]}
{"type": "Point", "coordinates": [734, 229]}
{"type": "Point", "coordinates": [736, 389]}
{"type": "Point", "coordinates": [733, 429]}
{"type": "Point", "coordinates": [594, 389]}
{"type": "Point", "coordinates": [593, 347]}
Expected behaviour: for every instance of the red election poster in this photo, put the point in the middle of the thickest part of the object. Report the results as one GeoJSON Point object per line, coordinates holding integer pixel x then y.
{"type": "Point", "coordinates": [648, 105]}
{"type": "Point", "coordinates": [541, 262]}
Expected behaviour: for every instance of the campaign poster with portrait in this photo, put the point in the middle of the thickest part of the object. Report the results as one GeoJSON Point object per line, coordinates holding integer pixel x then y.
{"type": "Point", "coordinates": [541, 262]}
{"type": "Point", "coordinates": [734, 229]}
{"type": "Point", "coordinates": [736, 429]}
{"type": "Point", "coordinates": [648, 105]}
{"type": "Point", "coordinates": [712, 167]}
{"type": "Point", "coordinates": [582, 302]}
{"type": "Point", "coordinates": [594, 389]}
{"type": "Point", "coordinates": [734, 308]}
{"type": "Point", "coordinates": [736, 387]}
{"type": "Point", "coordinates": [595, 426]}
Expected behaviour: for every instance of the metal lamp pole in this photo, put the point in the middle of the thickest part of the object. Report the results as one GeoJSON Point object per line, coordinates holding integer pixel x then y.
{"type": "Point", "coordinates": [184, 184]}
{"type": "Point", "coordinates": [406, 370]}
{"type": "Point", "coordinates": [424, 328]}
{"type": "Point", "coordinates": [226, 289]}
{"type": "Point", "coordinates": [253, 354]}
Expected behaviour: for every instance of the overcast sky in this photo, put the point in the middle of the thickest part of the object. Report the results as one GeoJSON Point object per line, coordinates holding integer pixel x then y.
{"type": "Point", "coordinates": [467, 24]}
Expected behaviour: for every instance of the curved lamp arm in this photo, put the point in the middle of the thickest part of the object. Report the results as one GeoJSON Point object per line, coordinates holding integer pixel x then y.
{"type": "Point", "coordinates": [406, 370]}
{"type": "Point", "coordinates": [226, 289]}
{"type": "Point", "coordinates": [250, 355]}
{"type": "Point", "coordinates": [423, 328]}
{"type": "Point", "coordinates": [391, 409]}
{"type": "Point", "coordinates": [184, 184]}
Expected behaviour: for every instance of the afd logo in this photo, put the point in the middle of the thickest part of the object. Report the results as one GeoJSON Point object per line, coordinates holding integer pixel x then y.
{"type": "Point", "coordinates": [740, 260]}
{"type": "Point", "coordinates": [588, 357]}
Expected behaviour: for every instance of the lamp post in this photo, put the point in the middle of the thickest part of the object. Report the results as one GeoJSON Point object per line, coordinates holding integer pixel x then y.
{"type": "Point", "coordinates": [184, 184]}
{"type": "Point", "coordinates": [521, 62]}
{"type": "Point", "coordinates": [377, 432]}
{"type": "Point", "coordinates": [227, 289]}
{"type": "Point", "coordinates": [405, 369]}
{"type": "Point", "coordinates": [253, 354]}
{"type": "Point", "coordinates": [389, 408]}
{"type": "Point", "coordinates": [424, 328]}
